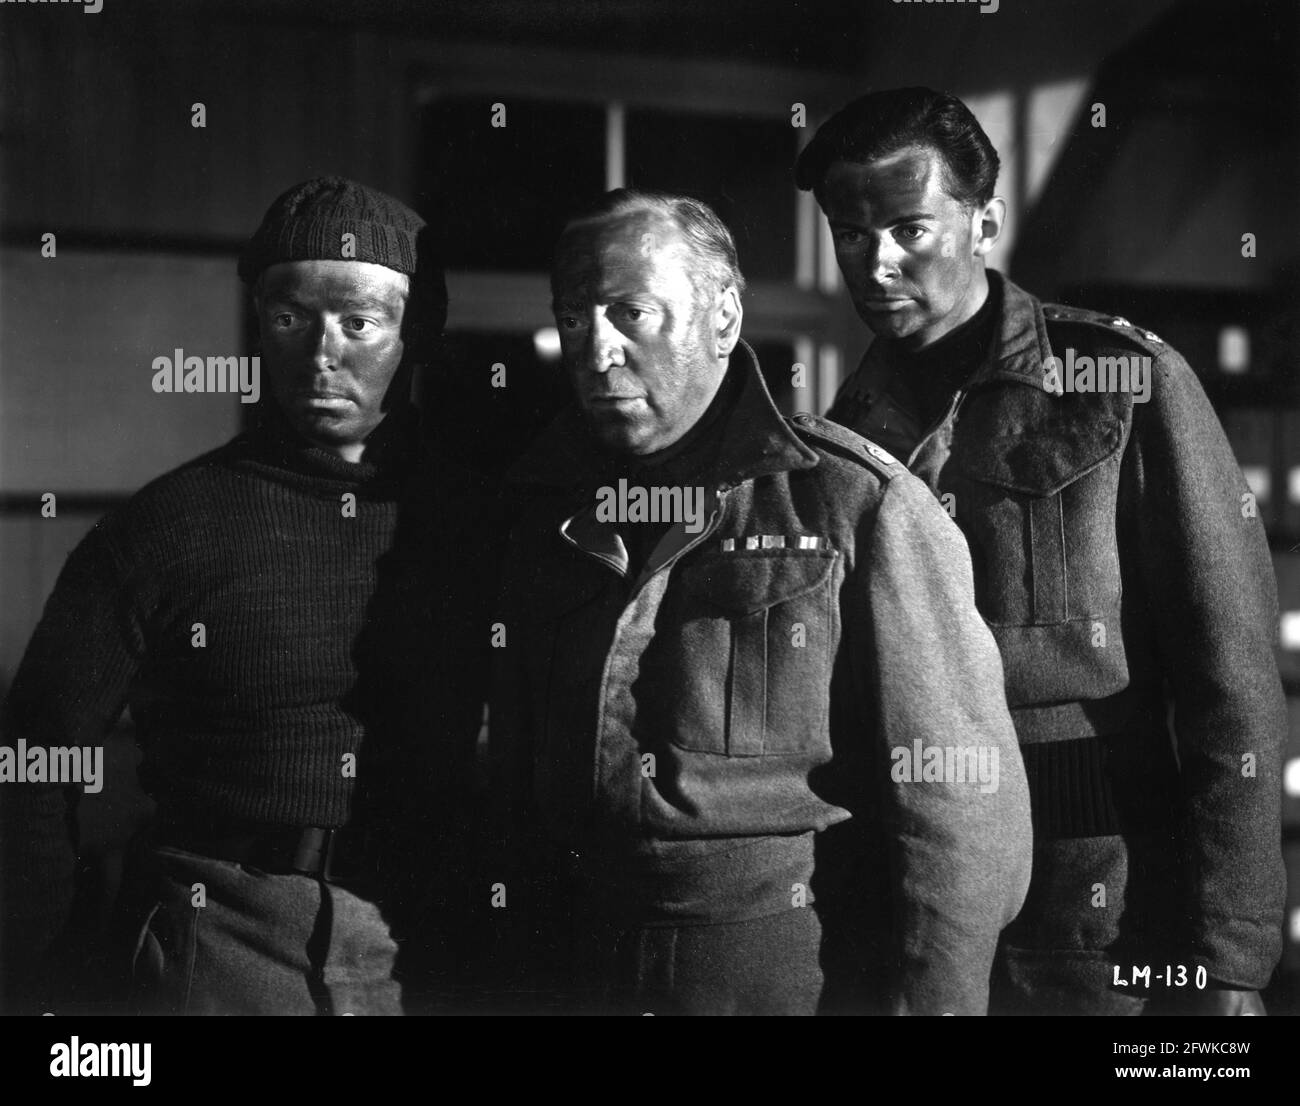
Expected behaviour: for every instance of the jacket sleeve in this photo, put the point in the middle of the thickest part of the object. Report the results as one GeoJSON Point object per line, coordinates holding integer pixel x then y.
{"type": "Point", "coordinates": [1205, 566]}
{"type": "Point", "coordinates": [69, 690]}
{"type": "Point", "coordinates": [960, 836]}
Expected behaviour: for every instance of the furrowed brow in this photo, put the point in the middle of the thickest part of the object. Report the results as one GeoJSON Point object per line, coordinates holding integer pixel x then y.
{"type": "Point", "coordinates": [368, 305]}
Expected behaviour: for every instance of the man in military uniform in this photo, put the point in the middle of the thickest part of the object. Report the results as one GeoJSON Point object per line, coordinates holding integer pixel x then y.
{"type": "Point", "coordinates": [689, 696]}
{"type": "Point", "coordinates": [1118, 560]}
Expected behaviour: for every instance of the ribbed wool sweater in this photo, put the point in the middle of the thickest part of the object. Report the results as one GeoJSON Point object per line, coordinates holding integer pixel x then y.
{"type": "Point", "coordinates": [268, 611]}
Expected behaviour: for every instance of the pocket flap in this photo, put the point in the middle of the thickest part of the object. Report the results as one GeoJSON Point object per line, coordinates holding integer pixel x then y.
{"type": "Point", "coordinates": [744, 582]}
{"type": "Point", "coordinates": [1038, 443]}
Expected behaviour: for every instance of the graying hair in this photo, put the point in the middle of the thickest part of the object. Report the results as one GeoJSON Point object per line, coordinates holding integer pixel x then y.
{"type": "Point", "coordinates": [706, 236]}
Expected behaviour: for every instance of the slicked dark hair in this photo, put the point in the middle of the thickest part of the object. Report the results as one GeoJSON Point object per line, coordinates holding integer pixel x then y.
{"type": "Point", "coordinates": [706, 236]}
{"type": "Point", "coordinates": [885, 122]}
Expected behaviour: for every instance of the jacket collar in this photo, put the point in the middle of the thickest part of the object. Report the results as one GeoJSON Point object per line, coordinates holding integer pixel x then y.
{"type": "Point", "coordinates": [756, 441]}
{"type": "Point", "coordinates": [1021, 346]}
{"type": "Point", "coordinates": [1030, 440]}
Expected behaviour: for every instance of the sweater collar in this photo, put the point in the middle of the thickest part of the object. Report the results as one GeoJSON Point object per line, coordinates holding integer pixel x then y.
{"type": "Point", "coordinates": [390, 449]}
{"type": "Point", "coordinates": [1016, 354]}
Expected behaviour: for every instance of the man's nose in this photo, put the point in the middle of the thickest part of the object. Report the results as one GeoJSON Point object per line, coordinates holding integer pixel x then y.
{"type": "Point", "coordinates": [883, 258]}
{"type": "Point", "coordinates": [604, 344]}
{"type": "Point", "coordinates": [326, 338]}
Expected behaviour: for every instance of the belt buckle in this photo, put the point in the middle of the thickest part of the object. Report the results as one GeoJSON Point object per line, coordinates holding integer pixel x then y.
{"type": "Point", "coordinates": [315, 853]}
{"type": "Point", "coordinates": [331, 851]}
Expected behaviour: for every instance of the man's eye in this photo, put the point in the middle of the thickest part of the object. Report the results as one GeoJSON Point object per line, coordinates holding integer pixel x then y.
{"type": "Point", "coordinates": [910, 234]}
{"type": "Point", "coordinates": [848, 237]}
{"type": "Point", "coordinates": [283, 319]}
{"type": "Point", "coordinates": [633, 314]}
{"type": "Point", "coordinates": [358, 326]}
{"type": "Point", "coordinates": [568, 322]}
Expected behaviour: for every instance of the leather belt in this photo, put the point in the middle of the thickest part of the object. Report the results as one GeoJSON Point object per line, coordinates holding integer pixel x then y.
{"type": "Point", "coordinates": [332, 854]}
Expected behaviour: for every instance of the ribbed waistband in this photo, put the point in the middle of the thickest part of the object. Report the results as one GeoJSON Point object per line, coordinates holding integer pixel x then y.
{"type": "Point", "coordinates": [1098, 767]}
{"type": "Point", "coordinates": [696, 882]}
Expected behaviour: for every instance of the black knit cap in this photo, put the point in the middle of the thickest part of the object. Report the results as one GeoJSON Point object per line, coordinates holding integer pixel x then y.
{"type": "Point", "coordinates": [308, 222]}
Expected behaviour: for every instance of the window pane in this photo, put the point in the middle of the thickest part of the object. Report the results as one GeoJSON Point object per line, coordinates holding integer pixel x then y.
{"type": "Point", "coordinates": [500, 195]}
{"type": "Point", "coordinates": [741, 167]}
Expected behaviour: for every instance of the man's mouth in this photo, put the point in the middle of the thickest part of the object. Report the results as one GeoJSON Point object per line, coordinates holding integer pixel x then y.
{"type": "Point", "coordinates": [319, 393]}
{"type": "Point", "coordinates": [325, 401]}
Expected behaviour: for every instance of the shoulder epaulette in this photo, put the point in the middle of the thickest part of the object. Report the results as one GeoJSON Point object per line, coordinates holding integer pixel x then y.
{"type": "Point", "coordinates": [1116, 324]}
{"type": "Point", "coordinates": [845, 443]}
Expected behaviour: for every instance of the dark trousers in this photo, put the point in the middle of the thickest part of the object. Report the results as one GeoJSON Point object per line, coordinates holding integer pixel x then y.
{"type": "Point", "coordinates": [762, 966]}
{"type": "Point", "coordinates": [247, 942]}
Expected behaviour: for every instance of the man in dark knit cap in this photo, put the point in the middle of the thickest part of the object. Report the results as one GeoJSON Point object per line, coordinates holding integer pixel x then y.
{"type": "Point", "coordinates": [276, 614]}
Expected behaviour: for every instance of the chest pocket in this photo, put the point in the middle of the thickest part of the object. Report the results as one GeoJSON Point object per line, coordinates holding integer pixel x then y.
{"type": "Point", "coordinates": [1037, 500]}
{"type": "Point", "coordinates": [748, 667]}
{"type": "Point", "coordinates": [1038, 508]}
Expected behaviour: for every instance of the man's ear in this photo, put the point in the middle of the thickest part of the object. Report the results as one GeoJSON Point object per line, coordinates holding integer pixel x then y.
{"type": "Point", "coordinates": [987, 224]}
{"type": "Point", "coordinates": [729, 315]}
